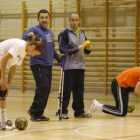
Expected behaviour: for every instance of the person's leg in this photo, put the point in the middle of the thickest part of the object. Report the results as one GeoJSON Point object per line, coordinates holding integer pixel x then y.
{"type": "Point", "coordinates": [2, 126]}
{"type": "Point", "coordinates": [69, 78]}
{"type": "Point", "coordinates": [3, 106]}
{"type": "Point", "coordinates": [42, 76]}
{"type": "Point", "coordinates": [1, 98]}
{"type": "Point", "coordinates": [121, 96]}
{"type": "Point", "coordinates": [45, 90]}
{"type": "Point", "coordinates": [78, 92]}
{"type": "Point", "coordinates": [0, 110]}
{"type": "Point", "coordinates": [5, 124]}
{"type": "Point", "coordinates": [3, 112]}
{"type": "Point", "coordinates": [78, 96]}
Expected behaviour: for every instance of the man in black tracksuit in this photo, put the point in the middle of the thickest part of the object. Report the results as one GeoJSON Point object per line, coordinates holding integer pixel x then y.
{"type": "Point", "coordinates": [70, 41]}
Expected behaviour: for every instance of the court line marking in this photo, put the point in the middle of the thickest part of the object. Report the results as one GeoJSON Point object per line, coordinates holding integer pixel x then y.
{"type": "Point", "coordinates": [95, 125]}
{"type": "Point", "coordinates": [53, 128]}
{"type": "Point", "coordinates": [76, 130]}
{"type": "Point", "coordinates": [35, 130]}
{"type": "Point", "coordinates": [83, 134]}
{"type": "Point", "coordinates": [105, 138]}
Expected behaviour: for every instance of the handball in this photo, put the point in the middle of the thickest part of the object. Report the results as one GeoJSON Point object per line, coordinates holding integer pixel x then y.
{"type": "Point", "coordinates": [21, 123]}
{"type": "Point", "coordinates": [130, 108]}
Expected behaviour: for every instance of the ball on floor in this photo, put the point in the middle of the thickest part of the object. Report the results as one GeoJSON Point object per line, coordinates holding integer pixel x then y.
{"type": "Point", "coordinates": [21, 123]}
{"type": "Point", "coordinates": [130, 108]}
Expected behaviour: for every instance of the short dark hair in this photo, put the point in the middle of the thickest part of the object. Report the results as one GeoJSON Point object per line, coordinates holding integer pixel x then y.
{"type": "Point", "coordinates": [42, 11]}
{"type": "Point", "coordinates": [74, 13]}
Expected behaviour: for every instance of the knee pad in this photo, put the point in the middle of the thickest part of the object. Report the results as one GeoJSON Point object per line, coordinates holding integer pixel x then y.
{"type": "Point", "coordinates": [2, 94]}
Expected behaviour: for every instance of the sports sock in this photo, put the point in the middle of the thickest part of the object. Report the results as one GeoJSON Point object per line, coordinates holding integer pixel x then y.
{"type": "Point", "coordinates": [100, 106]}
{"type": "Point", "coordinates": [3, 115]}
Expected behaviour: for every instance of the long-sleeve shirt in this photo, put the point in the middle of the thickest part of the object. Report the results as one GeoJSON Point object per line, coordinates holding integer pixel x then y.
{"type": "Point", "coordinates": [68, 44]}
{"type": "Point", "coordinates": [46, 58]}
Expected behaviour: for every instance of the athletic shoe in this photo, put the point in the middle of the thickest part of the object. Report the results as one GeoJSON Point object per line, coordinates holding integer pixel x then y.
{"type": "Point", "coordinates": [2, 126]}
{"type": "Point", "coordinates": [8, 123]}
{"type": "Point", "coordinates": [65, 116]}
{"type": "Point", "coordinates": [35, 118]}
{"type": "Point", "coordinates": [29, 113]}
{"type": "Point", "coordinates": [94, 106]}
{"type": "Point", "coordinates": [9, 127]}
{"type": "Point", "coordinates": [5, 127]}
{"type": "Point", "coordinates": [39, 118]}
{"type": "Point", "coordinates": [84, 115]}
{"type": "Point", "coordinates": [43, 118]}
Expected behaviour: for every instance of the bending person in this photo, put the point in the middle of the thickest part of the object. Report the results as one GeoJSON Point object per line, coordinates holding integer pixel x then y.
{"type": "Point", "coordinates": [12, 53]}
{"type": "Point", "coordinates": [126, 81]}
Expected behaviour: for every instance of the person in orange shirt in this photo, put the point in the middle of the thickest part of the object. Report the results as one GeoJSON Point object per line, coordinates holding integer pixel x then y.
{"type": "Point", "coordinates": [126, 81]}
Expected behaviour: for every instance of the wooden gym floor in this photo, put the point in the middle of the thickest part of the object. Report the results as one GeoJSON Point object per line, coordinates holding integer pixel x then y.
{"type": "Point", "coordinates": [100, 127]}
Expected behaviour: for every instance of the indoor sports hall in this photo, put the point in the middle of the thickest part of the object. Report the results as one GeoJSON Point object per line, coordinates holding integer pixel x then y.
{"type": "Point", "coordinates": [113, 27]}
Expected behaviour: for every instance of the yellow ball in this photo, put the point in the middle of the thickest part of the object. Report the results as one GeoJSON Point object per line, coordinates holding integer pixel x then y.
{"type": "Point", "coordinates": [130, 108]}
{"type": "Point", "coordinates": [21, 123]}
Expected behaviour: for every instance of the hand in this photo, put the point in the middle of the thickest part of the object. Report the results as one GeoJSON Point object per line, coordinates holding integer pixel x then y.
{"type": "Point", "coordinates": [89, 47]}
{"type": "Point", "coordinates": [31, 34]}
{"type": "Point", "coordinates": [81, 48]}
{"type": "Point", "coordinates": [60, 56]}
{"type": "Point", "coordinates": [3, 85]}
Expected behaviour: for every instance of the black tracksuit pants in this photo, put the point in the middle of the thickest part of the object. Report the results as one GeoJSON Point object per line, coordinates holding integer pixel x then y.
{"type": "Point", "coordinates": [121, 96]}
{"type": "Point", "coordinates": [42, 75]}
{"type": "Point", "coordinates": [73, 82]}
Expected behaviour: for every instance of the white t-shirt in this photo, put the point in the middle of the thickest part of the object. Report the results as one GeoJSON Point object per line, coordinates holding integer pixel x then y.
{"type": "Point", "coordinates": [16, 47]}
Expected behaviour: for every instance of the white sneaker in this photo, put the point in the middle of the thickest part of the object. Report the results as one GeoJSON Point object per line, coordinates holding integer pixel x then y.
{"type": "Point", "coordinates": [9, 127]}
{"type": "Point", "coordinates": [6, 127]}
{"type": "Point", "coordinates": [9, 123]}
{"type": "Point", "coordinates": [2, 126]}
{"type": "Point", "coordinates": [94, 106]}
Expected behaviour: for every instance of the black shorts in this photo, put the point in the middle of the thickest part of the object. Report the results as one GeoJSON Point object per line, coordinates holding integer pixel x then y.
{"type": "Point", "coordinates": [2, 94]}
